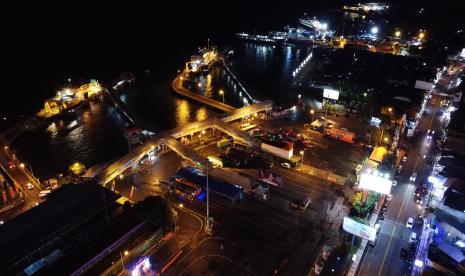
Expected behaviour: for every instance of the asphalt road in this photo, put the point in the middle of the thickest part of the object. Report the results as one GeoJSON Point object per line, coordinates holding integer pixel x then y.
{"type": "Point", "coordinates": [21, 178]}
{"type": "Point", "coordinates": [271, 229]}
{"type": "Point", "coordinates": [384, 258]}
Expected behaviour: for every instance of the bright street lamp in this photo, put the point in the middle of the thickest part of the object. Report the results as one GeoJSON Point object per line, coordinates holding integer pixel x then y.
{"type": "Point", "coordinates": [397, 33]}
{"type": "Point", "coordinates": [390, 109]}
{"type": "Point", "coordinates": [386, 139]}
{"type": "Point", "coordinates": [199, 84]}
{"type": "Point", "coordinates": [21, 165]}
{"type": "Point", "coordinates": [313, 114]}
{"type": "Point", "coordinates": [374, 30]}
{"type": "Point", "coordinates": [302, 154]}
{"type": "Point", "coordinates": [421, 35]}
{"type": "Point", "coordinates": [221, 93]}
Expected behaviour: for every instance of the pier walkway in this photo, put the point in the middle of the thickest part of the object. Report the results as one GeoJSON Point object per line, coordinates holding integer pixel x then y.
{"type": "Point", "coordinates": [178, 88]}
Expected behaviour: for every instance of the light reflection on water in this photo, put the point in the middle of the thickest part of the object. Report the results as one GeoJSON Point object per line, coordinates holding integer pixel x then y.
{"type": "Point", "coordinates": [91, 136]}
{"type": "Point", "coordinates": [182, 112]}
{"type": "Point", "coordinates": [97, 133]}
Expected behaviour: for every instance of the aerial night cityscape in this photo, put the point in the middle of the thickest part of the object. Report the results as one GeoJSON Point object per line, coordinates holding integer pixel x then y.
{"type": "Point", "coordinates": [233, 138]}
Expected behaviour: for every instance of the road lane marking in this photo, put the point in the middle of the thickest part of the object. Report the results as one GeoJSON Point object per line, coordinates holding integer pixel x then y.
{"type": "Point", "coordinates": [395, 226]}
{"type": "Point", "coordinates": [434, 113]}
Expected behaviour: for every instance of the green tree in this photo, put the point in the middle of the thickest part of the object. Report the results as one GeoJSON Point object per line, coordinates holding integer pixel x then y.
{"type": "Point", "coordinates": [155, 210]}
{"type": "Point", "coordinates": [388, 163]}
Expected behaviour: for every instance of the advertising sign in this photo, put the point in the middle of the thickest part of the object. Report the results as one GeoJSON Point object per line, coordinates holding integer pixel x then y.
{"type": "Point", "coordinates": [359, 229]}
{"type": "Point", "coordinates": [331, 94]}
{"type": "Point", "coordinates": [143, 268]}
{"type": "Point", "coordinates": [419, 84]}
{"type": "Point", "coordinates": [270, 178]}
{"type": "Point", "coordinates": [375, 183]}
{"type": "Point", "coordinates": [375, 121]}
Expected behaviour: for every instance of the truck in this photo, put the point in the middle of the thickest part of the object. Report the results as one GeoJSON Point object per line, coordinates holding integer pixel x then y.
{"type": "Point", "coordinates": [222, 188]}
{"type": "Point", "coordinates": [217, 162]}
{"type": "Point", "coordinates": [224, 143]}
{"type": "Point", "coordinates": [341, 134]}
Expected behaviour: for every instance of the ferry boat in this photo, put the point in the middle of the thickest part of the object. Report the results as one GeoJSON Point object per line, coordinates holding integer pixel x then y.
{"type": "Point", "coordinates": [273, 38]}
{"type": "Point", "coordinates": [372, 7]}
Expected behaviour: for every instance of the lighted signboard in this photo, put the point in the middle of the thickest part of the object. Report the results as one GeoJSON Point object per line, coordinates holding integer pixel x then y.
{"type": "Point", "coordinates": [331, 94]}
{"type": "Point", "coordinates": [375, 182]}
{"type": "Point", "coordinates": [424, 85]}
{"type": "Point", "coordinates": [375, 121]}
{"type": "Point", "coordinates": [143, 268]}
{"type": "Point", "coordinates": [359, 229]}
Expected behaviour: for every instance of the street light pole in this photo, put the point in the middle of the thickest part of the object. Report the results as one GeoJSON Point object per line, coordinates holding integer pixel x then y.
{"type": "Point", "coordinates": [121, 256]}
{"type": "Point", "coordinates": [302, 154]}
{"type": "Point", "coordinates": [326, 119]}
{"type": "Point", "coordinates": [381, 137]}
{"type": "Point", "coordinates": [30, 170]}
{"type": "Point", "coordinates": [222, 94]}
{"type": "Point", "coordinates": [313, 114]}
{"type": "Point", "coordinates": [207, 224]}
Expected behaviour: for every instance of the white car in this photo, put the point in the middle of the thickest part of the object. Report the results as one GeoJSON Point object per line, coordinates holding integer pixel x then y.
{"type": "Point", "coordinates": [30, 186]}
{"type": "Point", "coordinates": [413, 177]}
{"type": "Point", "coordinates": [404, 159]}
{"type": "Point", "coordinates": [394, 183]}
{"type": "Point", "coordinates": [286, 165]}
{"type": "Point", "coordinates": [389, 197]}
{"type": "Point", "coordinates": [409, 223]}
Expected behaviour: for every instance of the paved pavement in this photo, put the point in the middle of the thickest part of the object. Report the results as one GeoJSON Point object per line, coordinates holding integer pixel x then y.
{"type": "Point", "coordinates": [384, 258]}
{"type": "Point", "coordinates": [286, 238]}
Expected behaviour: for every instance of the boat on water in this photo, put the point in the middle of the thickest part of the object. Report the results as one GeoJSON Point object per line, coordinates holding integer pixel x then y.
{"type": "Point", "coordinates": [366, 8]}
{"type": "Point", "coordinates": [273, 38]}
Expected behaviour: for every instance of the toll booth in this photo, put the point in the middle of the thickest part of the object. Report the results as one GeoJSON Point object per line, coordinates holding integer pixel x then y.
{"type": "Point", "coordinates": [132, 135]}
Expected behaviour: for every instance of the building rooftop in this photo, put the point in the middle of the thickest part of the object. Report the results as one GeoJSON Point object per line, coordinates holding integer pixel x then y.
{"type": "Point", "coordinates": [46, 226]}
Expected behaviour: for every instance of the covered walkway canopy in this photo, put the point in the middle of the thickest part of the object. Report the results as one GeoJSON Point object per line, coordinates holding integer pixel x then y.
{"type": "Point", "coordinates": [168, 138]}
{"type": "Point", "coordinates": [116, 168]}
{"type": "Point", "coordinates": [250, 110]}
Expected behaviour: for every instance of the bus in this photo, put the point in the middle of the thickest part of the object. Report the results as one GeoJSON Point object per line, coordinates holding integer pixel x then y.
{"type": "Point", "coordinates": [216, 161]}
{"type": "Point", "coordinates": [247, 126]}
{"type": "Point", "coordinates": [186, 188]}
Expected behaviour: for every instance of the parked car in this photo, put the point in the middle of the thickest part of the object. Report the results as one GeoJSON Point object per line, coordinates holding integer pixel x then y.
{"type": "Point", "coordinates": [389, 197]}
{"type": "Point", "coordinates": [413, 177]}
{"type": "Point", "coordinates": [286, 165]}
{"type": "Point", "coordinates": [300, 204]}
{"type": "Point", "coordinates": [409, 223]}
{"type": "Point", "coordinates": [404, 159]}
{"type": "Point", "coordinates": [399, 168]}
{"type": "Point", "coordinates": [413, 237]}
{"type": "Point", "coordinates": [378, 230]}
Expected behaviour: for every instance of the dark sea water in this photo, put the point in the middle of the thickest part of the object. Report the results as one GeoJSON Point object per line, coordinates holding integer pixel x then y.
{"type": "Point", "coordinates": [134, 38]}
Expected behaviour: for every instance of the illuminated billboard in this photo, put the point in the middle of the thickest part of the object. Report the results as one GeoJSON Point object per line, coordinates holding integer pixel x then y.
{"type": "Point", "coordinates": [376, 182]}
{"type": "Point", "coordinates": [359, 229]}
{"type": "Point", "coordinates": [143, 268]}
{"type": "Point", "coordinates": [270, 178]}
{"type": "Point", "coordinates": [331, 94]}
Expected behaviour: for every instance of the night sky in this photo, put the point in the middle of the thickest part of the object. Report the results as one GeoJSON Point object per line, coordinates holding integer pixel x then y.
{"type": "Point", "coordinates": [44, 43]}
